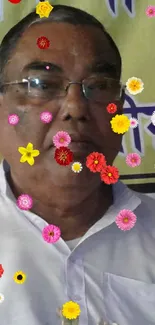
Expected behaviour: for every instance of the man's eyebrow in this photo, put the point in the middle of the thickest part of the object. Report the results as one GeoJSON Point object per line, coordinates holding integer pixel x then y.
{"type": "Point", "coordinates": [41, 66]}
{"type": "Point", "coordinates": [103, 67]}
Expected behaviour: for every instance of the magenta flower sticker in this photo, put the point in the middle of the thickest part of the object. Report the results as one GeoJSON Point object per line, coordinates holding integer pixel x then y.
{"type": "Point", "coordinates": [61, 139]}
{"type": "Point", "coordinates": [13, 119]}
{"type": "Point", "coordinates": [150, 11]}
{"type": "Point", "coordinates": [133, 123]}
{"type": "Point", "coordinates": [46, 117]}
{"type": "Point", "coordinates": [125, 220]}
{"type": "Point", "coordinates": [51, 234]}
{"type": "Point", "coordinates": [25, 202]}
{"type": "Point", "coordinates": [133, 159]}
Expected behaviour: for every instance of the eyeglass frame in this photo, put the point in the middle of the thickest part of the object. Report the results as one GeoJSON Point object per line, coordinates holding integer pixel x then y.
{"type": "Point", "coordinates": [28, 79]}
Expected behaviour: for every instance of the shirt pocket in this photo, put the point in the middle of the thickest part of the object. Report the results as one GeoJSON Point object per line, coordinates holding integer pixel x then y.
{"type": "Point", "coordinates": [128, 301]}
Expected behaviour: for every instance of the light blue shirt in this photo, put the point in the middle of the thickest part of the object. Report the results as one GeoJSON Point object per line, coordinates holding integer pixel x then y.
{"type": "Point", "coordinates": [108, 272]}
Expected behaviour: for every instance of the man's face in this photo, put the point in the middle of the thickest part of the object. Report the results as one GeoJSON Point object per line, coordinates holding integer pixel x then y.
{"type": "Point", "coordinates": [75, 49]}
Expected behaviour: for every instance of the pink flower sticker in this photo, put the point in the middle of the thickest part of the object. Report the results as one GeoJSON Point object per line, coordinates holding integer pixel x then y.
{"type": "Point", "coordinates": [150, 11]}
{"type": "Point", "coordinates": [125, 220]}
{"type": "Point", "coordinates": [133, 159]}
{"type": "Point", "coordinates": [13, 119]}
{"type": "Point", "coordinates": [61, 139]}
{"type": "Point", "coordinates": [51, 234]}
{"type": "Point", "coordinates": [46, 117]}
{"type": "Point", "coordinates": [25, 202]}
{"type": "Point", "coordinates": [133, 123]}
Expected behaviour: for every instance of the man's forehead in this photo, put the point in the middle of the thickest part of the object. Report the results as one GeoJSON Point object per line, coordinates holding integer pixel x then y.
{"type": "Point", "coordinates": [69, 45]}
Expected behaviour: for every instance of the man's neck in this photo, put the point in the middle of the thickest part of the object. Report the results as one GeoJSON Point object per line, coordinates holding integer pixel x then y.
{"type": "Point", "coordinates": [74, 216]}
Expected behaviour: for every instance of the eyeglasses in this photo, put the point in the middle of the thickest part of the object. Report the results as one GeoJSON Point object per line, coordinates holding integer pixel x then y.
{"type": "Point", "coordinates": [99, 89]}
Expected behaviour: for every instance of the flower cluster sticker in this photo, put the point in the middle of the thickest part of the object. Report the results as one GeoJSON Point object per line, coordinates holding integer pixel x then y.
{"type": "Point", "coordinates": [134, 85]}
{"type": "Point", "coordinates": [150, 11]}
{"type": "Point", "coordinates": [19, 277]}
{"type": "Point", "coordinates": [51, 234]}
{"type": "Point", "coordinates": [43, 9]}
{"type": "Point", "coordinates": [125, 220]}
{"type": "Point", "coordinates": [120, 124]}
{"type": "Point", "coordinates": [63, 156]}
{"type": "Point", "coordinates": [43, 43]}
{"type": "Point", "coordinates": [96, 162]}
{"type": "Point", "coordinates": [46, 117]}
{"type": "Point", "coordinates": [61, 139]}
{"type": "Point", "coordinates": [28, 154]}
{"type": "Point", "coordinates": [24, 202]}
{"type": "Point", "coordinates": [133, 159]}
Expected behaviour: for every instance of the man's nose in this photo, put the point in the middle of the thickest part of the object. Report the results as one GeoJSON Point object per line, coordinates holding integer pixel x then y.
{"type": "Point", "coordinates": [75, 105]}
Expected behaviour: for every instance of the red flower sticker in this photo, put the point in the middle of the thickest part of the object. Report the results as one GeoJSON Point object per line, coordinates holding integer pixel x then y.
{"type": "Point", "coordinates": [63, 156]}
{"type": "Point", "coordinates": [109, 175]}
{"type": "Point", "coordinates": [15, 1]}
{"type": "Point", "coordinates": [95, 162]}
{"type": "Point", "coordinates": [43, 42]}
{"type": "Point", "coordinates": [1, 270]}
{"type": "Point", "coordinates": [111, 108]}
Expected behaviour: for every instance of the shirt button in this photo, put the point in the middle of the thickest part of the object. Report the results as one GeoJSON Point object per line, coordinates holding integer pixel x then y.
{"type": "Point", "coordinates": [76, 298]}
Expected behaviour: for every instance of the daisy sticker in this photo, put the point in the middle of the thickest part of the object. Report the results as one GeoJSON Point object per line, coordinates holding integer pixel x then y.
{"type": "Point", "coordinates": [25, 202]}
{"type": "Point", "coordinates": [61, 139]}
{"type": "Point", "coordinates": [1, 297]}
{"type": "Point", "coordinates": [71, 310]}
{"type": "Point", "coordinates": [19, 277]}
{"type": "Point", "coordinates": [51, 234]}
{"type": "Point", "coordinates": [153, 118]}
{"type": "Point", "coordinates": [43, 43]}
{"type": "Point", "coordinates": [133, 123]}
{"type": "Point", "coordinates": [77, 167]}
{"type": "Point", "coordinates": [133, 159]}
{"type": "Point", "coordinates": [125, 220]}
{"type": "Point", "coordinates": [134, 86]}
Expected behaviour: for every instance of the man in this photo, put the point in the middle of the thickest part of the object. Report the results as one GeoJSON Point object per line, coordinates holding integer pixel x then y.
{"type": "Point", "coordinates": [108, 272]}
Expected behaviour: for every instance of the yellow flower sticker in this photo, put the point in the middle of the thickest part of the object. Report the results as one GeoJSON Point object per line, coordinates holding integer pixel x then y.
{"type": "Point", "coordinates": [28, 153]}
{"type": "Point", "coordinates": [19, 277]}
{"type": "Point", "coordinates": [43, 9]}
{"type": "Point", "coordinates": [120, 124]}
{"type": "Point", "coordinates": [134, 86]}
{"type": "Point", "coordinates": [71, 310]}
